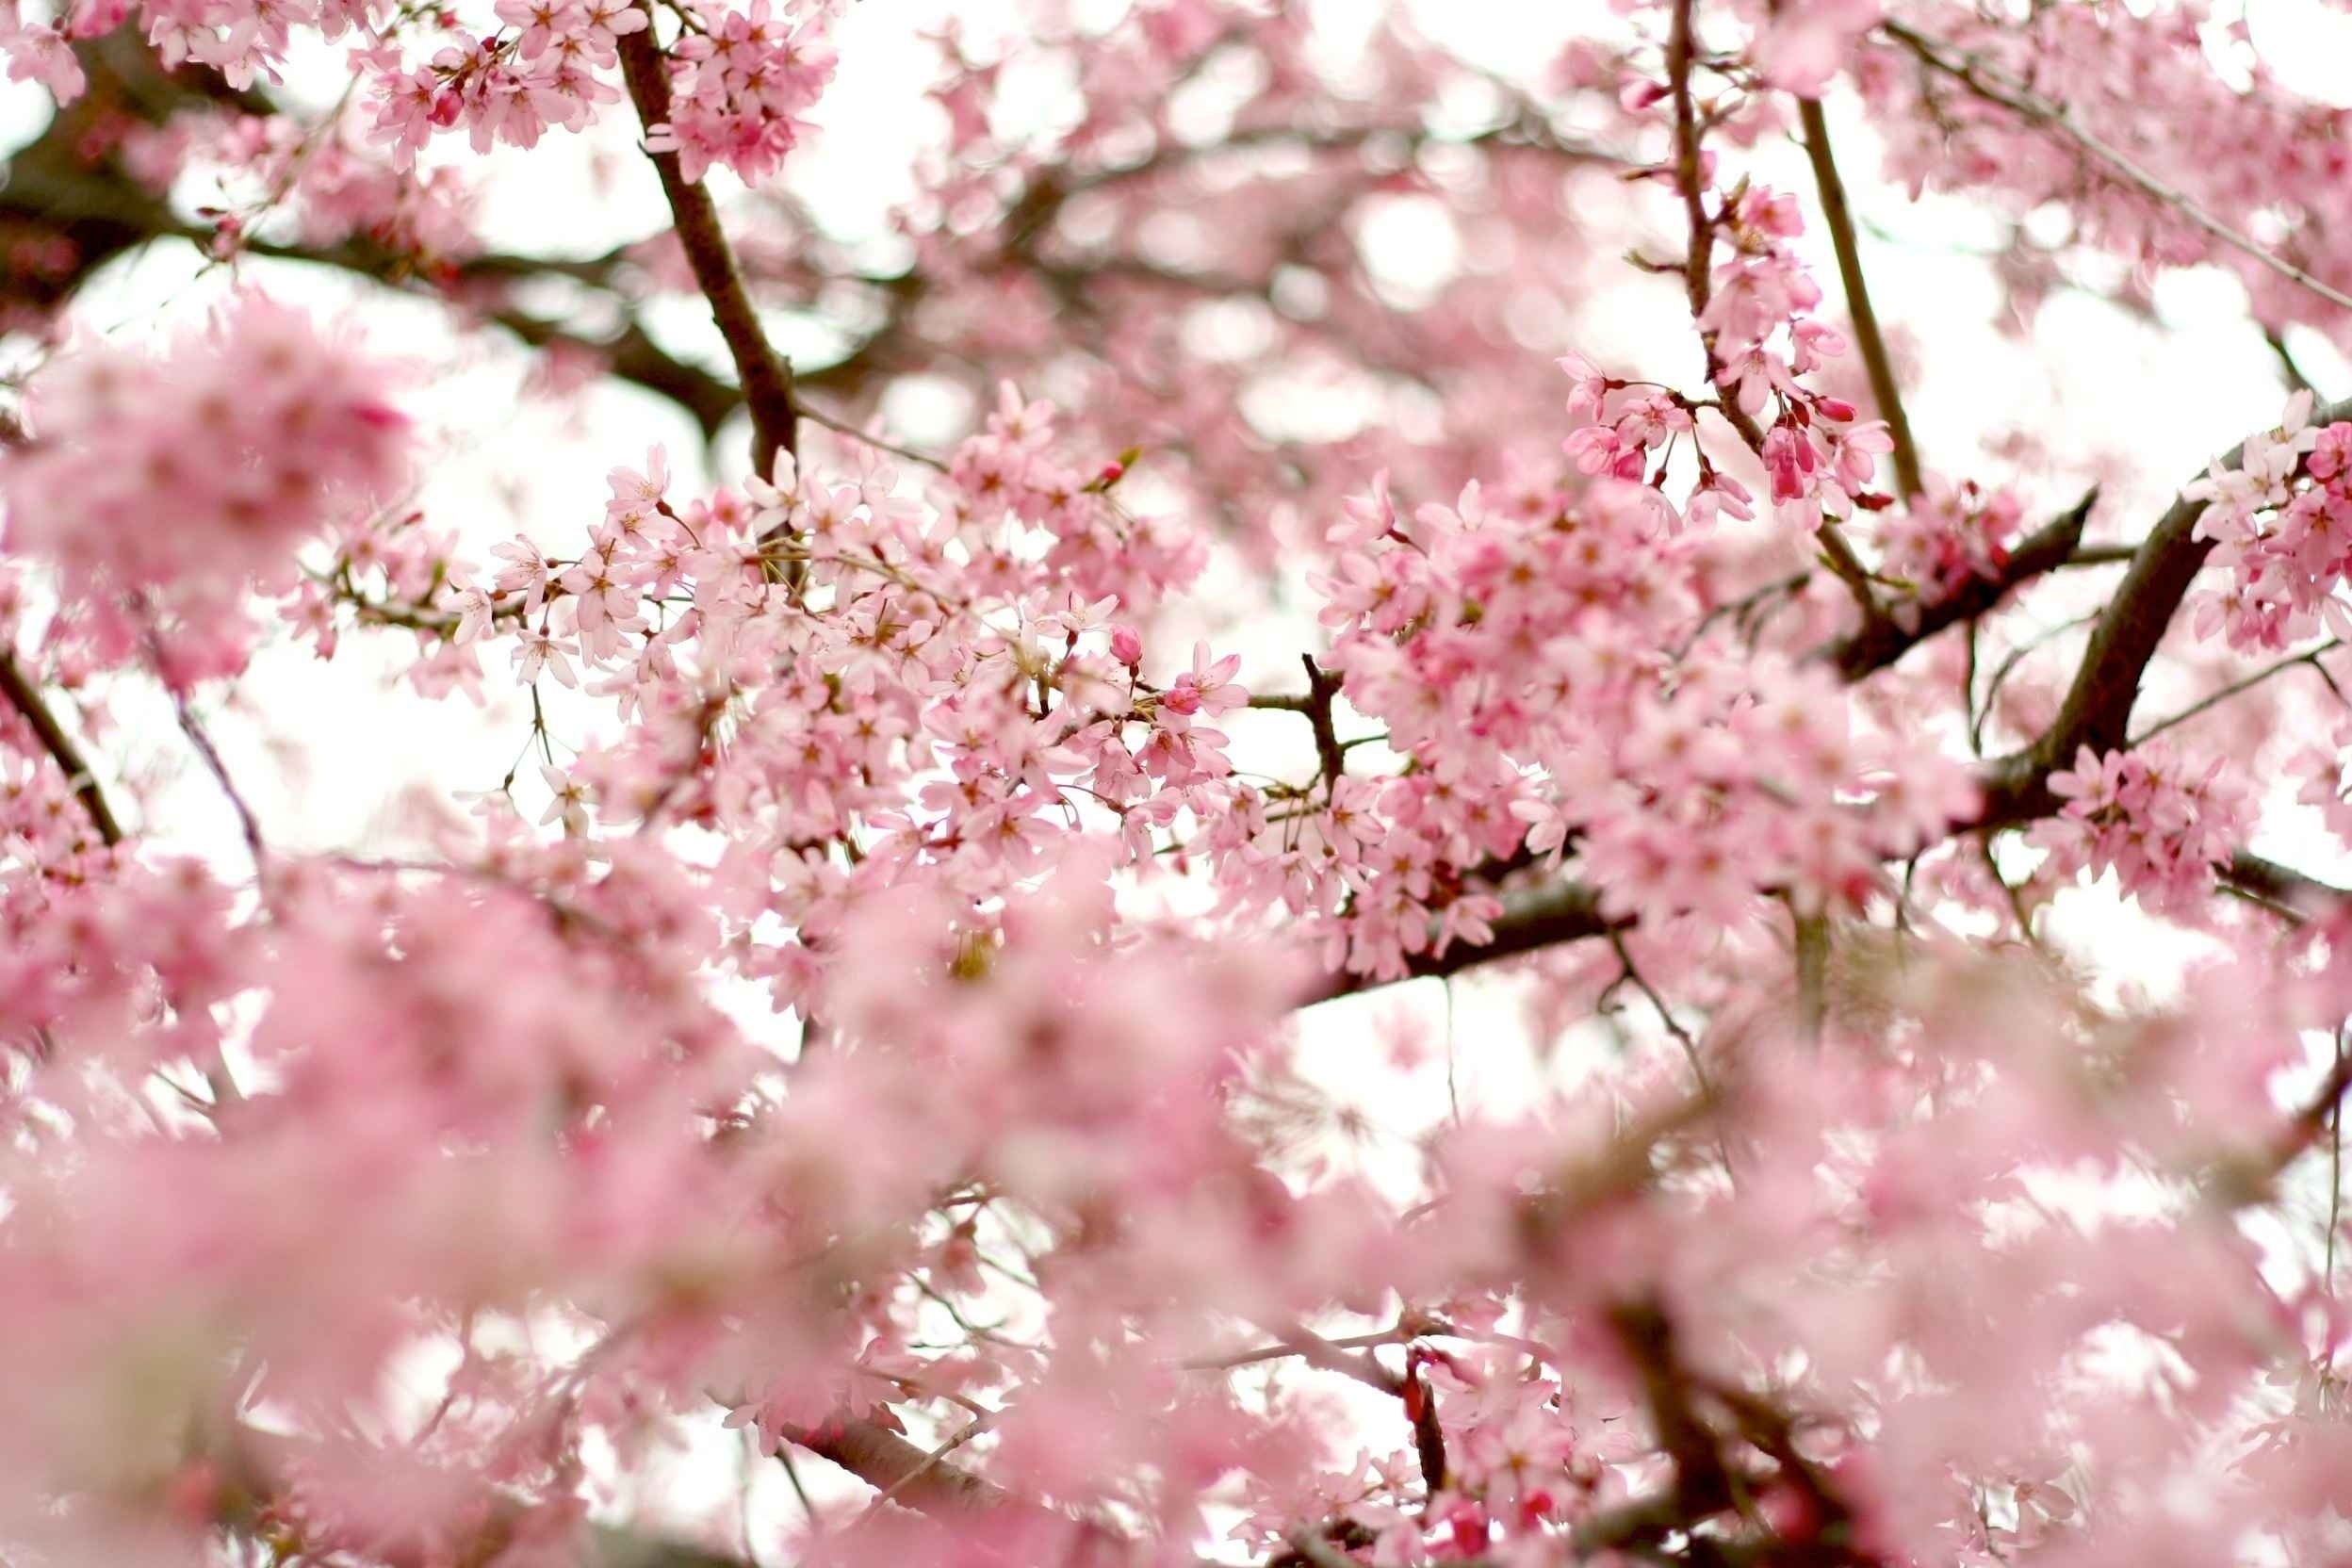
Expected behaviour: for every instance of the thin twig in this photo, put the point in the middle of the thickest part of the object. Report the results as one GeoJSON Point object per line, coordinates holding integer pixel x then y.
{"type": "Point", "coordinates": [1632, 975]}
{"type": "Point", "coordinates": [2289, 371]}
{"type": "Point", "coordinates": [842, 427]}
{"type": "Point", "coordinates": [2009, 662]}
{"type": "Point", "coordinates": [2335, 1167]}
{"type": "Point", "coordinates": [1359, 1364]}
{"type": "Point", "coordinates": [1739, 609]}
{"type": "Point", "coordinates": [2308, 657]}
{"type": "Point", "coordinates": [1997, 87]}
{"type": "Point", "coordinates": [205, 748]}
{"type": "Point", "coordinates": [1876, 359]}
{"type": "Point", "coordinates": [1287, 1348]}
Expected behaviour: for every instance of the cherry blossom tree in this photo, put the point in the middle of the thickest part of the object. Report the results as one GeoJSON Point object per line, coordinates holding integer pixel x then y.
{"type": "Point", "coordinates": [926, 1055]}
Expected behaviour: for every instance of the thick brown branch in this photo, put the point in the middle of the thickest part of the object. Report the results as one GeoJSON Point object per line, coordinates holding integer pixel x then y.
{"type": "Point", "coordinates": [1689, 168]}
{"type": "Point", "coordinates": [1321, 689]}
{"type": "Point", "coordinates": [1702, 1485]}
{"type": "Point", "coordinates": [635, 356]}
{"type": "Point", "coordinates": [1534, 919]}
{"type": "Point", "coordinates": [889, 1464]}
{"type": "Point", "coordinates": [1428, 1436]}
{"type": "Point", "coordinates": [1698, 262]}
{"type": "Point", "coordinates": [765, 377]}
{"type": "Point", "coordinates": [25, 699]}
{"type": "Point", "coordinates": [2280, 885]}
{"type": "Point", "coordinates": [2097, 711]}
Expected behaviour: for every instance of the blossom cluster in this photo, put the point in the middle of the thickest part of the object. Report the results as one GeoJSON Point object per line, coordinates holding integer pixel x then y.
{"type": "Point", "coordinates": [1946, 538]}
{"type": "Point", "coordinates": [740, 81]}
{"type": "Point", "coordinates": [2281, 521]}
{"type": "Point", "coordinates": [945, 682]}
{"type": "Point", "coordinates": [242, 39]}
{"type": "Point", "coordinates": [550, 66]}
{"type": "Point", "coordinates": [1762, 337]}
{"type": "Point", "coordinates": [272, 179]}
{"type": "Point", "coordinates": [743, 82]}
{"type": "Point", "coordinates": [178, 479]}
{"type": "Point", "coordinates": [1506, 645]}
{"type": "Point", "coordinates": [1763, 297]}
{"type": "Point", "coordinates": [2162, 824]}
{"type": "Point", "coordinates": [2142, 83]}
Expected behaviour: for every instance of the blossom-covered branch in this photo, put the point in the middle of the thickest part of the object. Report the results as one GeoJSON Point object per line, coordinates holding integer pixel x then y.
{"type": "Point", "coordinates": [762, 374]}
{"type": "Point", "coordinates": [33, 710]}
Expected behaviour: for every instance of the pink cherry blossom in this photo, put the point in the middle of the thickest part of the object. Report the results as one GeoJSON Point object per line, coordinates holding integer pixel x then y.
{"type": "Point", "coordinates": [1157, 881]}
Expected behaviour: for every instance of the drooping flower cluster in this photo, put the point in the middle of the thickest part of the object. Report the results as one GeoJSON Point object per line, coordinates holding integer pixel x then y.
{"type": "Point", "coordinates": [184, 476]}
{"type": "Point", "coordinates": [937, 682]}
{"type": "Point", "coordinates": [2162, 824]}
{"type": "Point", "coordinates": [1759, 324]}
{"type": "Point", "coordinates": [1945, 538]}
{"type": "Point", "coordinates": [2281, 520]}
{"type": "Point", "coordinates": [551, 65]}
{"type": "Point", "coordinates": [744, 81]}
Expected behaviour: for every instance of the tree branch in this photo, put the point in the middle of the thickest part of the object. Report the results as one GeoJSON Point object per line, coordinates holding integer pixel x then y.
{"type": "Point", "coordinates": [26, 700]}
{"type": "Point", "coordinates": [889, 1464]}
{"type": "Point", "coordinates": [1995, 87]}
{"type": "Point", "coordinates": [1534, 919]}
{"type": "Point", "coordinates": [1879, 643]}
{"type": "Point", "coordinates": [2308, 655]}
{"type": "Point", "coordinates": [765, 377]}
{"type": "Point", "coordinates": [1698, 265]}
{"type": "Point", "coordinates": [2097, 711]}
{"type": "Point", "coordinates": [1876, 359]}
{"type": "Point", "coordinates": [2288, 889]}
